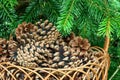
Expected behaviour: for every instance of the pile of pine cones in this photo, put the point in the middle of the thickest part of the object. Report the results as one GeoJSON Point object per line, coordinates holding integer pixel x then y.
{"type": "Point", "coordinates": [41, 45]}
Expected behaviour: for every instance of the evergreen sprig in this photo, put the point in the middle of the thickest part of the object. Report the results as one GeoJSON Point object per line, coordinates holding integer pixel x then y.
{"type": "Point", "coordinates": [52, 12]}
{"type": "Point", "coordinates": [66, 18]}
{"type": "Point", "coordinates": [32, 11]}
{"type": "Point", "coordinates": [7, 10]}
{"type": "Point", "coordinates": [7, 16]}
{"type": "Point", "coordinates": [105, 26]}
{"type": "Point", "coordinates": [83, 21]}
{"type": "Point", "coordinates": [110, 22]}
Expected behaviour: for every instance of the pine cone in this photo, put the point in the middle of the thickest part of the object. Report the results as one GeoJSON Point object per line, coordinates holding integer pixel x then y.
{"type": "Point", "coordinates": [3, 46]}
{"type": "Point", "coordinates": [12, 47]}
{"type": "Point", "coordinates": [79, 43]}
{"type": "Point", "coordinates": [32, 41]}
{"type": "Point", "coordinates": [3, 50]}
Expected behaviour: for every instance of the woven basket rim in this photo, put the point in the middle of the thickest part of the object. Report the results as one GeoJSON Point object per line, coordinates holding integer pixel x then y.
{"type": "Point", "coordinates": [28, 71]}
{"type": "Point", "coordinates": [73, 68]}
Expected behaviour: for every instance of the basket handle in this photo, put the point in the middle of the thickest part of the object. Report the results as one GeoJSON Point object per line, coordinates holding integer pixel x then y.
{"type": "Point", "coordinates": [106, 43]}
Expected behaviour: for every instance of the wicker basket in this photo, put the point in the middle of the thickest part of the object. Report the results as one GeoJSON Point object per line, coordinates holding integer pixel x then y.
{"type": "Point", "coordinates": [89, 71]}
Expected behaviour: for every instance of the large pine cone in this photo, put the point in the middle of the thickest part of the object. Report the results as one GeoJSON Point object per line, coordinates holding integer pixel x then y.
{"type": "Point", "coordinates": [31, 41]}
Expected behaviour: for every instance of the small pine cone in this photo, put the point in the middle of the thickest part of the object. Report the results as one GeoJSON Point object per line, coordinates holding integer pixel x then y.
{"type": "Point", "coordinates": [75, 42]}
{"type": "Point", "coordinates": [85, 44]}
{"type": "Point", "coordinates": [12, 47]}
{"type": "Point", "coordinates": [3, 46]}
{"type": "Point", "coordinates": [3, 50]}
{"type": "Point", "coordinates": [80, 43]}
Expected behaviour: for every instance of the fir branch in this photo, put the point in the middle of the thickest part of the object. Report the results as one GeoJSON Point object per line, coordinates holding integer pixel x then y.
{"type": "Point", "coordinates": [7, 17]}
{"type": "Point", "coordinates": [7, 11]}
{"type": "Point", "coordinates": [65, 21]}
{"type": "Point", "coordinates": [32, 11]}
{"type": "Point", "coordinates": [96, 9]}
{"type": "Point", "coordinates": [84, 21]}
{"type": "Point", "coordinates": [51, 10]}
{"type": "Point", "coordinates": [12, 3]}
{"type": "Point", "coordinates": [111, 21]}
{"type": "Point", "coordinates": [105, 28]}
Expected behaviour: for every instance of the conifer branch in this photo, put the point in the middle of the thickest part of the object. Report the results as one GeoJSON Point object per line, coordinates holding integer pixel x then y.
{"type": "Point", "coordinates": [8, 17]}
{"type": "Point", "coordinates": [32, 11]}
{"type": "Point", "coordinates": [7, 12]}
{"type": "Point", "coordinates": [53, 11]}
{"type": "Point", "coordinates": [65, 21]}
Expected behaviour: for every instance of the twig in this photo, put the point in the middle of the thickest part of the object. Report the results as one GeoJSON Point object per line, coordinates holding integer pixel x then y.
{"type": "Point", "coordinates": [106, 43]}
{"type": "Point", "coordinates": [118, 68]}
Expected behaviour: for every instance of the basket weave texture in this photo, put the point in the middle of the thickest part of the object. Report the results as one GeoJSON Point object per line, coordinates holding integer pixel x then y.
{"type": "Point", "coordinates": [89, 71]}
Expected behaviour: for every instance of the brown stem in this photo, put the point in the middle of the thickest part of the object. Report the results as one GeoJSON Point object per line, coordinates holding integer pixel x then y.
{"type": "Point", "coordinates": [106, 43]}
{"type": "Point", "coordinates": [107, 38]}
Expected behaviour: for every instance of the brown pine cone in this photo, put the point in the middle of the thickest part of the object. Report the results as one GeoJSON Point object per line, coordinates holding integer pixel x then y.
{"type": "Point", "coordinates": [3, 50]}
{"type": "Point", "coordinates": [3, 46]}
{"type": "Point", "coordinates": [12, 47]}
{"type": "Point", "coordinates": [32, 41]}
{"type": "Point", "coordinates": [79, 42]}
